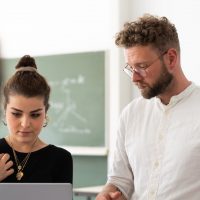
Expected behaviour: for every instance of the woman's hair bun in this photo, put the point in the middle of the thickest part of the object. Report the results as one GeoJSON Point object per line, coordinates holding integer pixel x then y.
{"type": "Point", "coordinates": [26, 61]}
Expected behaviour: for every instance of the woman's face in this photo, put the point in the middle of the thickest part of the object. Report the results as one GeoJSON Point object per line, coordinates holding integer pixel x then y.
{"type": "Point", "coordinates": [25, 118]}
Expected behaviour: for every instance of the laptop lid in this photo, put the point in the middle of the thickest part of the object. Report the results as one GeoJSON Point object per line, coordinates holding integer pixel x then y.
{"type": "Point", "coordinates": [36, 191]}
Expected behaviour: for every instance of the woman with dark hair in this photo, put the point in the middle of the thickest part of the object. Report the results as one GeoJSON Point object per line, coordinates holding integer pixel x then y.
{"type": "Point", "coordinates": [24, 157]}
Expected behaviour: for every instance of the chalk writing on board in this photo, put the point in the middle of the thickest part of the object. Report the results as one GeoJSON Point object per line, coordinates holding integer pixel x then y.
{"type": "Point", "coordinates": [67, 109]}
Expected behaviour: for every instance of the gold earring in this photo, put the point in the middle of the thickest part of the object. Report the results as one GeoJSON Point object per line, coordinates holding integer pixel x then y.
{"type": "Point", "coordinates": [46, 122]}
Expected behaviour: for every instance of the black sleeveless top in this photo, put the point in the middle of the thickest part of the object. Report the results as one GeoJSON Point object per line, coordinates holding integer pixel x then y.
{"type": "Point", "coordinates": [50, 164]}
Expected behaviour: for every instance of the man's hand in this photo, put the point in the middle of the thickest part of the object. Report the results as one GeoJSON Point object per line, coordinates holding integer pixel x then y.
{"type": "Point", "coordinates": [5, 166]}
{"type": "Point", "coordinates": [110, 192]}
{"type": "Point", "coordinates": [109, 196]}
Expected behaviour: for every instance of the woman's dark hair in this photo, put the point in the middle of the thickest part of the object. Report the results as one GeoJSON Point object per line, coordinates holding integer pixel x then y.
{"type": "Point", "coordinates": [27, 82]}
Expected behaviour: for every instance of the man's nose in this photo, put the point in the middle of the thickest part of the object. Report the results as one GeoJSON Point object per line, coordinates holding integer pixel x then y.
{"type": "Point", "coordinates": [136, 76]}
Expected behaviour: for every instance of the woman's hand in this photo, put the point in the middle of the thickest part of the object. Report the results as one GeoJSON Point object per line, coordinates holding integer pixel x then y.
{"type": "Point", "coordinates": [5, 166]}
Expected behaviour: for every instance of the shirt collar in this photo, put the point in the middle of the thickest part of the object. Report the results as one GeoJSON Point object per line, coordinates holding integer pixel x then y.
{"type": "Point", "coordinates": [177, 98]}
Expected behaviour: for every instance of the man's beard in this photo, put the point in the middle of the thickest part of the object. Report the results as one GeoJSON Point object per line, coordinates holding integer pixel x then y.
{"type": "Point", "coordinates": [159, 86]}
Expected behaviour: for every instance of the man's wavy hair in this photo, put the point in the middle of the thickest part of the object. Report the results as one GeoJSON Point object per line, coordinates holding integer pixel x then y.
{"type": "Point", "coordinates": [155, 31]}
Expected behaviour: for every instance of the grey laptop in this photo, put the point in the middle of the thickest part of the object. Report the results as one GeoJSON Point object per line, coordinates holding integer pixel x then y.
{"type": "Point", "coordinates": [36, 191]}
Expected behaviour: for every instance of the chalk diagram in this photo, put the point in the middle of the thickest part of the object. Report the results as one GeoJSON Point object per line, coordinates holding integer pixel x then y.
{"type": "Point", "coordinates": [69, 119]}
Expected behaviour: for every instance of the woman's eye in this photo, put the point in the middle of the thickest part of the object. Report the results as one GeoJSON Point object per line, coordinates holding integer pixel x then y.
{"type": "Point", "coordinates": [35, 115]}
{"type": "Point", "coordinates": [16, 114]}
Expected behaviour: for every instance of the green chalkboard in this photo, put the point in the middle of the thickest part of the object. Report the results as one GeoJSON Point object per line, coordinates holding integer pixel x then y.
{"type": "Point", "coordinates": [77, 102]}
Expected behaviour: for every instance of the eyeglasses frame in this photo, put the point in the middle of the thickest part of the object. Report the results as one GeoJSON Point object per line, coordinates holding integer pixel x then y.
{"type": "Point", "coordinates": [129, 70]}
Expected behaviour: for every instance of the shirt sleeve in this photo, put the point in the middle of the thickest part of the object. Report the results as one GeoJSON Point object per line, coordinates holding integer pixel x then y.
{"type": "Point", "coordinates": [120, 173]}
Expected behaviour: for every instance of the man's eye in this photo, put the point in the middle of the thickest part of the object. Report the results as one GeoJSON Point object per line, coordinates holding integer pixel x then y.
{"type": "Point", "coordinates": [35, 115]}
{"type": "Point", "coordinates": [16, 114]}
{"type": "Point", "coordinates": [143, 66]}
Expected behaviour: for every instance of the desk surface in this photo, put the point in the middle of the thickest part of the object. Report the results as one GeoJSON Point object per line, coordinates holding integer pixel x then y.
{"type": "Point", "coordinates": [88, 191]}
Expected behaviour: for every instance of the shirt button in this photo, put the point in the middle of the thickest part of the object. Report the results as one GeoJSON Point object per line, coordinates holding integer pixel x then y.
{"type": "Point", "coordinates": [156, 164]}
{"type": "Point", "coordinates": [152, 193]}
{"type": "Point", "coordinates": [160, 137]}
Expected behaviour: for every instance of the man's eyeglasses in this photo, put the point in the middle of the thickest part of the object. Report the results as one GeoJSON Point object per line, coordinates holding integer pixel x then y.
{"type": "Point", "coordinates": [140, 68]}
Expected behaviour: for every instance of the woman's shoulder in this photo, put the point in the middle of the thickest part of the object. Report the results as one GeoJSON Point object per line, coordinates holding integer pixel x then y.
{"type": "Point", "coordinates": [2, 140]}
{"type": "Point", "coordinates": [56, 150]}
{"type": "Point", "coordinates": [3, 144]}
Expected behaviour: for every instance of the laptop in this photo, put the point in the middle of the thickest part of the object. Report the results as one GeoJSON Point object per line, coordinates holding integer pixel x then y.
{"type": "Point", "coordinates": [36, 191]}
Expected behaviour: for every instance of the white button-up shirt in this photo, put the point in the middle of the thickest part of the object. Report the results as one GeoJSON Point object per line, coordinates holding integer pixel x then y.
{"type": "Point", "coordinates": [157, 153]}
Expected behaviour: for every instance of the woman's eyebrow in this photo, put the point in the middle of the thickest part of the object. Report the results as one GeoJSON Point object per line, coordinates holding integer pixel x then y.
{"type": "Point", "coordinates": [39, 109]}
{"type": "Point", "coordinates": [18, 110]}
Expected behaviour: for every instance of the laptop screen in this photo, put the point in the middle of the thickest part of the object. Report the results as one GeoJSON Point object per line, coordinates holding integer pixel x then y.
{"type": "Point", "coordinates": [36, 191]}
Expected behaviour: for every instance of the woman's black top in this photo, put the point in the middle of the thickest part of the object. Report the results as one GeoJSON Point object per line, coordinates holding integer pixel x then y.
{"type": "Point", "coordinates": [50, 164]}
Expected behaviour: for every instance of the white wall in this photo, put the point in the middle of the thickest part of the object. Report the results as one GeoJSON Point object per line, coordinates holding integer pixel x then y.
{"type": "Point", "coordinates": [41, 27]}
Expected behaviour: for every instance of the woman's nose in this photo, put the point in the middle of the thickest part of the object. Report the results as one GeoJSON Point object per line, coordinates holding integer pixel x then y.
{"type": "Point", "coordinates": [25, 122]}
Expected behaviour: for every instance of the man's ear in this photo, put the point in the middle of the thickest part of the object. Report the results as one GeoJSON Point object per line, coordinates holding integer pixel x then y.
{"type": "Point", "coordinates": [171, 58]}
